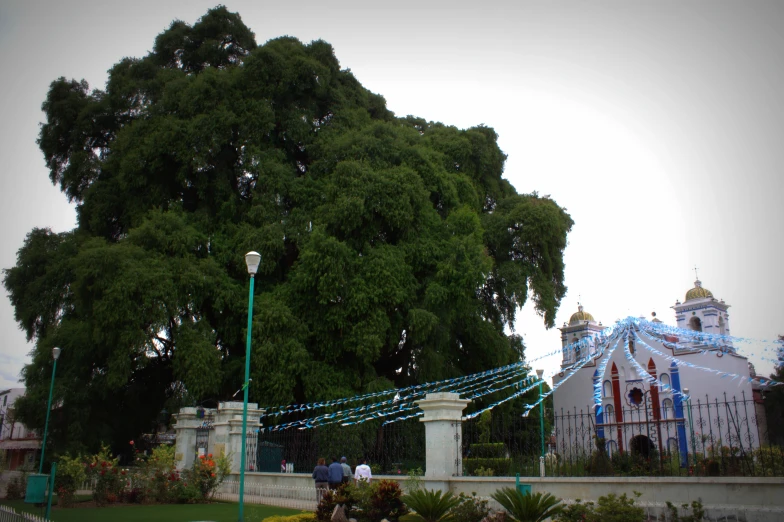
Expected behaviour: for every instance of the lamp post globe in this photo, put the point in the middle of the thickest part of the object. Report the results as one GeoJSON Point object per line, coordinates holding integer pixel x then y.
{"type": "Point", "coordinates": [252, 261]}
{"type": "Point", "coordinates": [55, 355]}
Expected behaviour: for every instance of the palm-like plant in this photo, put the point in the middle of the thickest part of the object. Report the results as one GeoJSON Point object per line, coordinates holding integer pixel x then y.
{"type": "Point", "coordinates": [431, 506]}
{"type": "Point", "coordinates": [528, 508]}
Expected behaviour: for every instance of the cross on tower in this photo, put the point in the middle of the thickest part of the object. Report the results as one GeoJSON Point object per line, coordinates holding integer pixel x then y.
{"type": "Point", "coordinates": [695, 272]}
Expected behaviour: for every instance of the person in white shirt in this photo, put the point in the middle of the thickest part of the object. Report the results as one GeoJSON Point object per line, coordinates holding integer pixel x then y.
{"type": "Point", "coordinates": [362, 472]}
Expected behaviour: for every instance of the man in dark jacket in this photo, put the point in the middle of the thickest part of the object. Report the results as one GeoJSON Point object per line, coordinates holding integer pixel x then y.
{"type": "Point", "coordinates": [335, 474]}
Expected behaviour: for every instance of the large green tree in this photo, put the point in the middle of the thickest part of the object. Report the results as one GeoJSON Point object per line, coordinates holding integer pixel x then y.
{"type": "Point", "coordinates": [394, 251]}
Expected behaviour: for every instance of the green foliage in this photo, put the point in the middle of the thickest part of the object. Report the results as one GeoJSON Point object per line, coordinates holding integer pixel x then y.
{"type": "Point", "coordinates": [500, 467]}
{"type": "Point", "coordinates": [612, 508]}
{"type": "Point", "coordinates": [483, 472]}
{"type": "Point", "coordinates": [206, 475]}
{"type": "Point", "coordinates": [600, 464]}
{"type": "Point", "coordinates": [15, 490]}
{"type": "Point", "coordinates": [372, 502]}
{"type": "Point", "coordinates": [697, 512]}
{"type": "Point", "coordinates": [385, 502]}
{"type": "Point", "coordinates": [156, 477]}
{"type": "Point", "coordinates": [431, 506]}
{"type": "Point", "coordinates": [69, 477]}
{"type": "Point", "coordinates": [484, 425]}
{"type": "Point", "coordinates": [302, 517]}
{"type": "Point", "coordinates": [384, 240]}
{"type": "Point", "coordinates": [470, 509]}
{"type": "Point", "coordinates": [415, 480]}
{"type": "Point", "coordinates": [577, 512]}
{"type": "Point", "coordinates": [528, 507]}
{"type": "Point", "coordinates": [110, 479]}
{"type": "Point", "coordinates": [494, 450]}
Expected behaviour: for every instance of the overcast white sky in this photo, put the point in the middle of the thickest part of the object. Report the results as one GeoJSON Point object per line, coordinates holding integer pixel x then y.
{"type": "Point", "coordinates": [658, 125]}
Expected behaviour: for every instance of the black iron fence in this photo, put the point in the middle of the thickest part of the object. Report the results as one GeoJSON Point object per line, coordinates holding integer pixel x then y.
{"type": "Point", "coordinates": [706, 437]}
{"type": "Point", "coordinates": [701, 437]}
{"type": "Point", "coordinates": [394, 448]}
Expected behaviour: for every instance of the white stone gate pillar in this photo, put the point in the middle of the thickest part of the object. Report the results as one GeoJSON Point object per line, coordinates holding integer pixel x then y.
{"type": "Point", "coordinates": [228, 433]}
{"type": "Point", "coordinates": [443, 437]}
{"type": "Point", "coordinates": [188, 422]}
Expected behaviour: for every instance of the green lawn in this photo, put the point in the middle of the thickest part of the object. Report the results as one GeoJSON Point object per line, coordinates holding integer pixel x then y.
{"type": "Point", "coordinates": [221, 512]}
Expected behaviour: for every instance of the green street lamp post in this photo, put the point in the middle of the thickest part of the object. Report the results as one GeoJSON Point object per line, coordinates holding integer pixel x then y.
{"type": "Point", "coordinates": [539, 374]}
{"type": "Point", "coordinates": [56, 355]}
{"type": "Point", "coordinates": [252, 260]}
{"type": "Point", "coordinates": [691, 425]}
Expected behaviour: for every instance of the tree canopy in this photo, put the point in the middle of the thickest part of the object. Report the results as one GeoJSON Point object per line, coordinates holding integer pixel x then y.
{"type": "Point", "coordinates": [393, 250]}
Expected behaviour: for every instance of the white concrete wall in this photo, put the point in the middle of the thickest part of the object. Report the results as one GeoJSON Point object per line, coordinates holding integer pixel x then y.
{"type": "Point", "coordinates": [759, 499]}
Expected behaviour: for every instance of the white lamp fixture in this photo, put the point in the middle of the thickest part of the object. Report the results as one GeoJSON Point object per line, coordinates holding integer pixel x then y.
{"type": "Point", "coordinates": [56, 352]}
{"type": "Point", "coordinates": [539, 373]}
{"type": "Point", "coordinates": [252, 259]}
{"type": "Point", "coordinates": [686, 392]}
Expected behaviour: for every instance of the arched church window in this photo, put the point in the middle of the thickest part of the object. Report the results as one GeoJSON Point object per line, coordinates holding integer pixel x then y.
{"type": "Point", "coordinates": [576, 349]}
{"type": "Point", "coordinates": [695, 324]}
{"type": "Point", "coordinates": [722, 326]}
{"type": "Point", "coordinates": [607, 389]}
{"type": "Point", "coordinates": [612, 447]}
{"type": "Point", "coordinates": [609, 413]}
{"type": "Point", "coordinates": [665, 381]}
{"type": "Point", "coordinates": [668, 412]}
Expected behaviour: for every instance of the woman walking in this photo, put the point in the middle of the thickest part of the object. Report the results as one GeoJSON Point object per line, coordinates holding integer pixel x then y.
{"type": "Point", "coordinates": [321, 476]}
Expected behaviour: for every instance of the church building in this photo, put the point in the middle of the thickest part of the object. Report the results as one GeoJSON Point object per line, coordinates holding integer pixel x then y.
{"type": "Point", "coordinates": [701, 399]}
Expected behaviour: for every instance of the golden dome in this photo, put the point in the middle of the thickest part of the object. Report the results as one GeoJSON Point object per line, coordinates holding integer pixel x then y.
{"type": "Point", "coordinates": [579, 316]}
{"type": "Point", "coordinates": [698, 292]}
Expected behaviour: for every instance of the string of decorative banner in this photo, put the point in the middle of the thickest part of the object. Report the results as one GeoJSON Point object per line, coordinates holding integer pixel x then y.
{"type": "Point", "coordinates": [712, 341]}
{"type": "Point", "coordinates": [515, 378]}
{"type": "Point", "coordinates": [366, 411]}
{"type": "Point", "coordinates": [698, 342]}
{"type": "Point", "coordinates": [392, 407]}
{"type": "Point", "coordinates": [442, 385]}
{"type": "Point", "coordinates": [686, 364]}
{"type": "Point", "coordinates": [597, 385]}
{"type": "Point", "coordinates": [296, 408]}
{"type": "Point", "coordinates": [571, 371]}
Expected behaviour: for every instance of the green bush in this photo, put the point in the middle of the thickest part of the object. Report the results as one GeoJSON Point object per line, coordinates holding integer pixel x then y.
{"type": "Point", "coordinates": [372, 502]}
{"type": "Point", "coordinates": [110, 481]}
{"type": "Point", "coordinates": [414, 482]}
{"type": "Point", "coordinates": [492, 450]}
{"type": "Point", "coordinates": [69, 476]}
{"type": "Point", "coordinates": [302, 517]}
{"type": "Point", "coordinates": [431, 506]}
{"type": "Point", "coordinates": [696, 515]}
{"type": "Point", "coordinates": [501, 467]}
{"type": "Point", "coordinates": [470, 509]}
{"type": "Point", "coordinates": [528, 507]}
{"type": "Point", "coordinates": [15, 489]}
{"type": "Point", "coordinates": [600, 464]}
{"type": "Point", "coordinates": [577, 512]}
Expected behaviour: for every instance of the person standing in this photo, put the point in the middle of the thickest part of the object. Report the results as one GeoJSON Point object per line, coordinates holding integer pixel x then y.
{"type": "Point", "coordinates": [362, 472]}
{"type": "Point", "coordinates": [346, 470]}
{"type": "Point", "coordinates": [335, 474]}
{"type": "Point", "coordinates": [321, 476]}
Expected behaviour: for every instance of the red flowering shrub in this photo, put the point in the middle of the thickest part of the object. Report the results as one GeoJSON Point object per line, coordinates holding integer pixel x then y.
{"type": "Point", "coordinates": [110, 484]}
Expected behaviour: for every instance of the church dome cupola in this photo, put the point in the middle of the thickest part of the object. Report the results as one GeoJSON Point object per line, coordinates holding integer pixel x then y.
{"type": "Point", "coordinates": [698, 292]}
{"type": "Point", "coordinates": [580, 317]}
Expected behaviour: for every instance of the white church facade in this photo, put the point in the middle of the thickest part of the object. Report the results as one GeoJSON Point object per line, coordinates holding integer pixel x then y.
{"type": "Point", "coordinates": [685, 411]}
